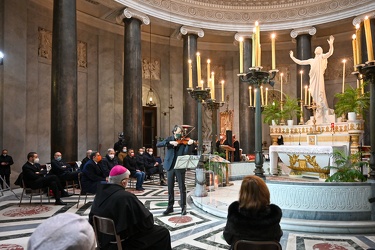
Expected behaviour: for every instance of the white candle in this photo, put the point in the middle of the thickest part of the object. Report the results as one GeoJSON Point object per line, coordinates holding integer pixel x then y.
{"type": "Point", "coordinates": [309, 96]}
{"type": "Point", "coordinates": [266, 96]}
{"type": "Point", "coordinates": [370, 52]}
{"type": "Point", "coordinates": [257, 36]}
{"type": "Point", "coordinates": [222, 90]}
{"type": "Point", "coordinates": [213, 85]}
{"type": "Point", "coordinates": [250, 96]}
{"type": "Point", "coordinates": [241, 54]}
{"type": "Point", "coordinates": [358, 43]}
{"type": "Point", "coordinates": [190, 74]}
{"type": "Point", "coordinates": [202, 84]}
{"type": "Point", "coordinates": [343, 75]}
{"type": "Point", "coordinates": [253, 48]}
{"type": "Point", "coordinates": [305, 94]}
{"type": "Point", "coordinates": [199, 70]}
{"type": "Point", "coordinates": [354, 47]}
{"type": "Point", "coordinates": [301, 72]}
{"type": "Point", "coordinates": [273, 49]}
{"type": "Point", "coordinates": [281, 87]}
{"type": "Point", "coordinates": [261, 93]}
{"type": "Point", "coordinates": [208, 72]}
{"type": "Point", "coordinates": [255, 98]}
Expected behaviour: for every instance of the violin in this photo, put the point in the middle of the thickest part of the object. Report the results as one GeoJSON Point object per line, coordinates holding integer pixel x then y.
{"type": "Point", "coordinates": [183, 141]}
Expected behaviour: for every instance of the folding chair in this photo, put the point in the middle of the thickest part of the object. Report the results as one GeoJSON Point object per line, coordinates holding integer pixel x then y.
{"type": "Point", "coordinates": [81, 191]}
{"type": "Point", "coordinates": [33, 192]}
{"type": "Point", "coordinates": [106, 226]}
{"type": "Point", "coordinates": [257, 245]}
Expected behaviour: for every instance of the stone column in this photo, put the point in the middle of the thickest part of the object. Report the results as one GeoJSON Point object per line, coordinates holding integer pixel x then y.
{"type": "Point", "coordinates": [64, 134]}
{"type": "Point", "coordinates": [246, 126]}
{"type": "Point", "coordinates": [303, 38]}
{"type": "Point", "coordinates": [132, 105]}
{"type": "Point", "coordinates": [190, 41]}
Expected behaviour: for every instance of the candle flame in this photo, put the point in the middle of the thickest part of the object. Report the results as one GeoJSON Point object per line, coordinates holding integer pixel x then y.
{"type": "Point", "coordinates": [190, 61]}
{"type": "Point", "coordinates": [273, 35]}
{"type": "Point", "coordinates": [208, 61]}
{"type": "Point", "coordinates": [301, 72]}
{"type": "Point", "coordinates": [250, 87]}
{"type": "Point", "coordinates": [266, 88]}
{"type": "Point", "coordinates": [256, 23]}
{"type": "Point", "coordinates": [198, 54]}
{"type": "Point", "coordinates": [222, 82]}
{"type": "Point", "coordinates": [354, 36]}
{"type": "Point", "coordinates": [241, 39]}
{"type": "Point", "coordinates": [344, 61]}
{"type": "Point", "coordinates": [281, 74]}
{"type": "Point", "coordinates": [357, 26]}
{"type": "Point", "coordinates": [366, 17]}
{"type": "Point", "coordinates": [212, 73]}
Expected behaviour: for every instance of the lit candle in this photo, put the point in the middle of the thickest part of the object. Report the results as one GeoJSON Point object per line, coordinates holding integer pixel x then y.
{"type": "Point", "coordinates": [301, 72]}
{"type": "Point", "coordinates": [241, 54]}
{"type": "Point", "coordinates": [305, 94]}
{"type": "Point", "coordinates": [354, 46]}
{"type": "Point", "coordinates": [202, 84]}
{"type": "Point", "coordinates": [208, 72]}
{"type": "Point", "coordinates": [370, 52]}
{"type": "Point", "coordinates": [273, 49]}
{"type": "Point", "coordinates": [309, 96]}
{"type": "Point", "coordinates": [213, 85]}
{"type": "Point", "coordinates": [362, 85]}
{"type": "Point", "coordinates": [199, 70]}
{"type": "Point", "coordinates": [250, 96]}
{"type": "Point", "coordinates": [343, 75]}
{"type": "Point", "coordinates": [190, 74]}
{"type": "Point", "coordinates": [257, 36]}
{"type": "Point", "coordinates": [222, 90]}
{"type": "Point", "coordinates": [266, 96]}
{"type": "Point", "coordinates": [259, 55]}
{"type": "Point", "coordinates": [261, 93]}
{"type": "Point", "coordinates": [281, 86]}
{"type": "Point", "coordinates": [255, 98]}
{"type": "Point", "coordinates": [253, 48]}
{"type": "Point", "coordinates": [358, 43]}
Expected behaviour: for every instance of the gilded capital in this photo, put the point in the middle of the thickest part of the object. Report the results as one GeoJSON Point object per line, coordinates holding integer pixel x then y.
{"type": "Point", "coordinates": [306, 30]}
{"type": "Point", "coordinates": [131, 13]}
{"type": "Point", "coordinates": [238, 35]}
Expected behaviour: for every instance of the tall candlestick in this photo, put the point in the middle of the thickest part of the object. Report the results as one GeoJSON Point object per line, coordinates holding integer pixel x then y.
{"type": "Point", "coordinates": [358, 43]}
{"type": "Point", "coordinates": [200, 84]}
{"type": "Point", "coordinates": [305, 94]}
{"type": "Point", "coordinates": [273, 49]}
{"type": "Point", "coordinates": [250, 96]}
{"type": "Point", "coordinates": [212, 85]}
{"type": "Point", "coordinates": [255, 99]}
{"type": "Point", "coordinates": [266, 96]}
{"type": "Point", "coordinates": [301, 72]}
{"type": "Point", "coordinates": [257, 35]}
{"type": "Point", "coordinates": [259, 56]}
{"type": "Point", "coordinates": [281, 86]}
{"type": "Point", "coordinates": [190, 75]}
{"type": "Point", "coordinates": [253, 48]}
{"type": "Point", "coordinates": [362, 86]}
{"type": "Point", "coordinates": [370, 52]}
{"type": "Point", "coordinates": [261, 94]}
{"type": "Point", "coordinates": [309, 97]}
{"type": "Point", "coordinates": [241, 54]}
{"type": "Point", "coordinates": [208, 73]}
{"type": "Point", "coordinates": [354, 46]}
{"type": "Point", "coordinates": [222, 91]}
{"type": "Point", "coordinates": [343, 75]}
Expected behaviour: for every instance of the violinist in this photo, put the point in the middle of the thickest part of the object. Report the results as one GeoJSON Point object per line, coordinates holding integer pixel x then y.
{"type": "Point", "coordinates": [176, 146]}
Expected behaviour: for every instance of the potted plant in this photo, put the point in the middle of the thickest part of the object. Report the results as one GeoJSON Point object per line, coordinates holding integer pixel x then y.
{"type": "Point", "coordinates": [347, 167]}
{"type": "Point", "coordinates": [352, 101]}
{"type": "Point", "coordinates": [272, 112]}
{"type": "Point", "coordinates": [290, 108]}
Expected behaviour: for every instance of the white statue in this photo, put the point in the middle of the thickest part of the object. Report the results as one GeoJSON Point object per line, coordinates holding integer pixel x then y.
{"type": "Point", "coordinates": [318, 65]}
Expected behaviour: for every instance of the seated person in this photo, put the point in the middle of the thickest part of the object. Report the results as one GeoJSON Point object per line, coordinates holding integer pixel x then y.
{"type": "Point", "coordinates": [86, 159]}
{"type": "Point", "coordinates": [62, 170]}
{"type": "Point", "coordinates": [121, 155]}
{"type": "Point", "coordinates": [130, 162]}
{"type": "Point", "coordinates": [134, 223]}
{"type": "Point", "coordinates": [141, 159]}
{"type": "Point", "coordinates": [92, 174]}
{"type": "Point", "coordinates": [153, 167]}
{"type": "Point", "coordinates": [252, 217]}
{"type": "Point", "coordinates": [75, 233]}
{"type": "Point", "coordinates": [34, 177]}
{"type": "Point", "coordinates": [109, 161]}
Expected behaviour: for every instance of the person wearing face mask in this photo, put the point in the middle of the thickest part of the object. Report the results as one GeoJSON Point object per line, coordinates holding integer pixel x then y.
{"type": "Point", "coordinates": [109, 161]}
{"type": "Point", "coordinates": [92, 174]}
{"type": "Point", "coordinates": [35, 177]}
{"type": "Point", "coordinates": [141, 159]}
{"type": "Point", "coordinates": [120, 144]}
{"type": "Point", "coordinates": [174, 149]}
{"type": "Point", "coordinates": [62, 169]}
{"type": "Point", "coordinates": [153, 167]}
{"type": "Point", "coordinates": [130, 162]}
{"type": "Point", "coordinates": [5, 162]}
{"type": "Point", "coordinates": [86, 159]}
{"type": "Point", "coordinates": [121, 155]}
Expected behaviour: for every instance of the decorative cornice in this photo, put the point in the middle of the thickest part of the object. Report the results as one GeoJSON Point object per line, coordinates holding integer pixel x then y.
{"type": "Point", "coordinates": [306, 30]}
{"type": "Point", "coordinates": [184, 30]}
{"type": "Point", "coordinates": [131, 13]}
{"type": "Point", "coordinates": [360, 18]}
{"type": "Point", "coordinates": [238, 35]}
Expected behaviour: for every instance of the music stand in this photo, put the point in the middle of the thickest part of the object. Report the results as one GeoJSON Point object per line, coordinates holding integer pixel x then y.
{"type": "Point", "coordinates": [187, 162]}
{"type": "Point", "coordinates": [6, 187]}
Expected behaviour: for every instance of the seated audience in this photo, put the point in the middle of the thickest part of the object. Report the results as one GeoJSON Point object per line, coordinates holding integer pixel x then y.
{"type": "Point", "coordinates": [134, 223]}
{"type": "Point", "coordinates": [35, 177]}
{"type": "Point", "coordinates": [252, 217]}
{"type": "Point", "coordinates": [153, 167]}
{"type": "Point", "coordinates": [109, 161]}
{"type": "Point", "coordinates": [92, 174]}
{"type": "Point", "coordinates": [130, 162]}
{"type": "Point", "coordinates": [74, 233]}
{"type": "Point", "coordinates": [140, 159]}
{"type": "Point", "coordinates": [62, 170]}
{"type": "Point", "coordinates": [86, 159]}
{"type": "Point", "coordinates": [122, 154]}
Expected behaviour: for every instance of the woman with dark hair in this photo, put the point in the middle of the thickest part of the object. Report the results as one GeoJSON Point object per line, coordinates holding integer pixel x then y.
{"type": "Point", "coordinates": [252, 217]}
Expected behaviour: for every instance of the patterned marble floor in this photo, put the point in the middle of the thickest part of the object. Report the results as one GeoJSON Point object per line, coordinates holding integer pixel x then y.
{"type": "Point", "coordinates": [197, 230]}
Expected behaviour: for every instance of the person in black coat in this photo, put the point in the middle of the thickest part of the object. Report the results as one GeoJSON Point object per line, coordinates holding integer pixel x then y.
{"type": "Point", "coordinates": [92, 174]}
{"type": "Point", "coordinates": [252, 217]}
{"type": "Point", "coordinates": [5, 162]}
{"type": "Point", "coordinates": [62, 169]}
{"type": "Point", "coordinates": [130, 162]}
{"type": "Point", "coordinates": [109, 161]}
{"type": "Point", "coordinates": [153, 167]}
{"type": "Point", "coordinates": [35, 177]}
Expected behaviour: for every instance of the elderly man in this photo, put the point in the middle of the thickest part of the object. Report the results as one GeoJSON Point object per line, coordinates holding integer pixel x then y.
{"type": "Point", "coordinates": [86, 159]}
{"type": "Point", "coordinates": [134, 223]}
{"type": "Point", "coordinates": [62, 169]}
{"type": "Point", "coordinates": [109, 161]}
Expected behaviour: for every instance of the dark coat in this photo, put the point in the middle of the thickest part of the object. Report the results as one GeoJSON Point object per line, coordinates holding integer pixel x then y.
{"type": "Point", "coordinates": [5, 169]}
{"type": "Point", "coordinates": [131, 164]}
{"type": "Point", "coordinates": [246, 225]}
{"type": "Point", "coordinates": [57, 167]}
{"type": "Point", "coordinates": [32, 174]}
{"type": "Point", "coordinates": [141, 161]}
{"type": "Point", "coordinates": [92, 175]}
{"type": "Point", "coordinates": [108, 164]}
{"type": "Point", "coordinates": [172, 152]}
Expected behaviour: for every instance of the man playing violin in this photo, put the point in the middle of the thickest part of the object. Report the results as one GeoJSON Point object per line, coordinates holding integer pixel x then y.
{"type": "Point", "coordinates": [176, 146]}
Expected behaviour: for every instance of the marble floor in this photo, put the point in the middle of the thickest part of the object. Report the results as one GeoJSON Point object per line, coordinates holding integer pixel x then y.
{"type": "Point", "coordinates": [200, 229]}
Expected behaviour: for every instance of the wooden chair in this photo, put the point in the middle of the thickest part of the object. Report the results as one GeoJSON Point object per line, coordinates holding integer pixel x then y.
{"type": "Point", "coordinates": [81, 191]}
{"type": "Point", "coordinates": [33, 192]}
{"type": "Point", "coordinates": [106, 226]}
{"type": "Point", "coordinates": [257, 245]}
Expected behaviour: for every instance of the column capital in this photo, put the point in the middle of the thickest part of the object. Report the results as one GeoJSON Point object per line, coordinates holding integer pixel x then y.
{"type": "Point", "coordinates": [238, 35]}
{"type": "Point", "coordinates": [131, 13]}
{"type": "Point", "coordinates": [184, 30]}
{"type": "Point", "coordinates": [306, 30]}
{"type": "Point", "coordinates": [359, 19]}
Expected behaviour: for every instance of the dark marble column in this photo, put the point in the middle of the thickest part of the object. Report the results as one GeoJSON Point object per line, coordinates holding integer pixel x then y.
{"type": "Point", "coordinates": [190, 44]}
{"type": "Point", "coordinates": [246, 126]}
{"type": "Point", "coordinates": [64, 133]}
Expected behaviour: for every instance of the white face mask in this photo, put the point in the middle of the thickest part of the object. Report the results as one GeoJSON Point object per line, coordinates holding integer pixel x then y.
{"type": "Point", "coordinates": [111, 156]}
{"type": "Point", "coordinates": [141, 153]}
{"type": "Point", "coordinates": [4, 155]}
{"type": "Point", "coordinates": [36, 160]}
{"type": "Point", "coordinates": [150, 153]}
{"type": "Point", "coordinates": [124, 150]}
